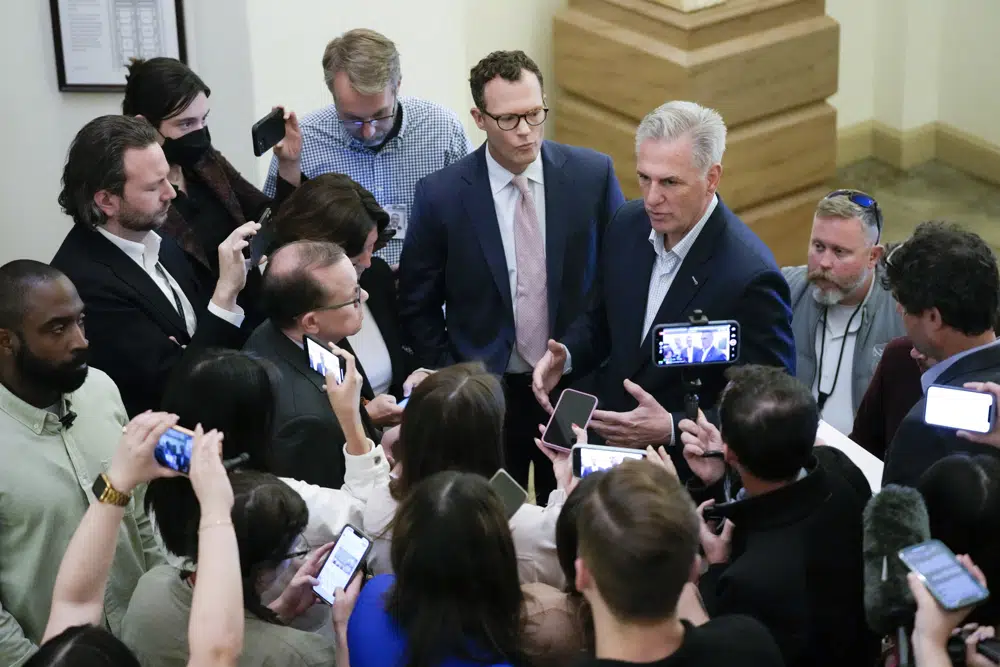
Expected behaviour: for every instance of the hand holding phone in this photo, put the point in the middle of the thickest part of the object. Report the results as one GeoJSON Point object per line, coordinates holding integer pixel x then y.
{"type": "Point", "coordinates": [960, 409]}
{"type": "Point", "coordinates": [268, 131]}
{"type": "Point", "coordinates": [947, 579]}
{"type": "Point", "coordinates": [259, 241]}
{"type": "Point", "coordinates": [574, 407]}
{"type": "Point", "coordinates": [322, 359]}
{"type": "Point", "coordinates": [345, 560]}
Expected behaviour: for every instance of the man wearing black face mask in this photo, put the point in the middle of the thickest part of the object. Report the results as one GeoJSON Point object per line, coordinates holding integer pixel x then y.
{"type": "Point", "coordinates": [59, 425]}
{"type": "Point", "coordinates": [145, 304]}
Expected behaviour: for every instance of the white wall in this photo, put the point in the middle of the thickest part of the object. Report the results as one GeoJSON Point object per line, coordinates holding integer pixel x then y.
{"type": "Point", "coordinates": [855, 98]}
{"type": "Point", "coordinates": [970, 69]}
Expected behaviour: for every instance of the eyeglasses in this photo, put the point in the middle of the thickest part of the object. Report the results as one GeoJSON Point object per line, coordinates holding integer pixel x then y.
{"type": "Point", "coordinates": [353, 302]}
{"type": "Point", "coordinates": [510, 121]}
{"type": "Point", "coordinates": [358, 125]}
{"type": "Point", "coordinates": [863, 200]}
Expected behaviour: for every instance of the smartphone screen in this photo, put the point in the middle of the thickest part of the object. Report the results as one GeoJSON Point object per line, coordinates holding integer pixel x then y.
{"type": "Point", "coordinates": [174, 449]}
{"type": "Point", "coordinates": [348, 555]}
{"type": "Point", "coordinates": [588, 459]}
{"type": "Point", "coordinates": [952, 407]}
{"type": "Point", "coordinates": [684, 344]}
{"type": "Point", "coordinates": [511, 493]}
{"type": "Point", "coordinates": [402, 403]}
{"type": "Point", "coordinates": [574, 407]}
{"type": "Point", "coordinates": [322, 359]}
{"type": "Point", "coordinates": [947, 579]}
{"type": "Point", "coordinates": [268, 131]}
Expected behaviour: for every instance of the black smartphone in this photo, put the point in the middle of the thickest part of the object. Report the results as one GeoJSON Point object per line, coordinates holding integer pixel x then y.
{"type": "Point", "coordinates": [960, 409]}
{"type": "Point", "coordinates": [690, 345]}
{"type": "Point", "coordinates": [946, 578]}
{"type": "Point", "coordinates": [260, 241]}
{"type": "Point", "coordinates": [174, 449]}
{"type": "Point", "coordinates": [591, 458]}
{"type": "Point", "coordinates": [322, 359]}
{"type": "Point", "coordinates": [574, 407]}
{"type": "Point", "coordinates": [511, 493]}
{"type": "Point", "coordinates": [268, 131]}
{"type": "Point", "coordinates": [346, 558]}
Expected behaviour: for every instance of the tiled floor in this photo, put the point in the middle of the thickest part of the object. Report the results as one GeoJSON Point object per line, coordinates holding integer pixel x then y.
{"type": "Point", "coordinates": [933, 191]}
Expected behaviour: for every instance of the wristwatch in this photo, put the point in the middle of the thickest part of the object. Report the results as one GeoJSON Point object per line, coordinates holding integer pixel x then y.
{"type": "Point", "coordinates": [108, 494]}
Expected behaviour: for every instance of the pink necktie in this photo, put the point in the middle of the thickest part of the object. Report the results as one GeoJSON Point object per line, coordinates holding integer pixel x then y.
{"type": "Point", "coordinates": [531, 320]}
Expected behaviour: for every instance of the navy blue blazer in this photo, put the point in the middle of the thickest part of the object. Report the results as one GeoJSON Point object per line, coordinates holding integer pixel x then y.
{"type": "Point", "coordinates": [453, 254]}
{"type": "Point", "coordinates": [728, 273]}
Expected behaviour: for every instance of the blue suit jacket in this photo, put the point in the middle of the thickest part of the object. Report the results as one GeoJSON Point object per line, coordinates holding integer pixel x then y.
{"type": "Point", "coordinates": [728, 273]}
{"type": "Point", "coordinates": [453, 254]}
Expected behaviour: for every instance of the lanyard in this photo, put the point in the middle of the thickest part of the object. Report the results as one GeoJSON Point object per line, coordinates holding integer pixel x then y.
{"type": "Point", "coordinates": [822, 396]}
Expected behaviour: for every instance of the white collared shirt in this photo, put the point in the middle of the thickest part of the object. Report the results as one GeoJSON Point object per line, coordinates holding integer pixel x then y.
{"type": "Point", "coordinates": [370, 348]}
{"type": "Point", "coordinates": [666, 265]}
{"type": "Point", "coordinates": [147, 256]}
{"type": "Point", "coordinates": [505, 200]}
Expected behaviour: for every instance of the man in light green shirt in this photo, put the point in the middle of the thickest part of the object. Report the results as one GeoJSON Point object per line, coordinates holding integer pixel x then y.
{"type": "Point", "coordinates": [60, 423]}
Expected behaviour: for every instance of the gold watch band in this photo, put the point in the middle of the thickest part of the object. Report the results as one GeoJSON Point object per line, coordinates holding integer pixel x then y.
{"type": "Point", "coordinates": [112, 496]}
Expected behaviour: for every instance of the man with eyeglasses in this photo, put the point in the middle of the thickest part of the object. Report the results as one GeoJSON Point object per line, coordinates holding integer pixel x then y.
{"type": "Point", "coordinates": [509, 238]}
{"type": "Point", "coordinates": [381, 140]}
{"type": "Point", "coordinates": [309, 287]}
{"type": "Point", "coordinates": [842, 316]}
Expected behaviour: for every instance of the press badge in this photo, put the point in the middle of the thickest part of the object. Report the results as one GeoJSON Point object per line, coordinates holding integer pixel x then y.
{"type": "Point", "coordinates": [397, 219]}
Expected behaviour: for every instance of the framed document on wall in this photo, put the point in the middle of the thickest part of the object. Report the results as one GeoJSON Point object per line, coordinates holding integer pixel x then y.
{"type": "Point", "coordinates": [96, 39]}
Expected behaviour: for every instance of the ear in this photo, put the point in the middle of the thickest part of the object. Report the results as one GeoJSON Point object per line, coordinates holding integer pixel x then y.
{"type": "Point", "coordinates": [876, 255]}
{"type": "Point", "coordinates": [8, 342]}
{"type": "Point", "coordinates": [714, 176]}
{"type": "Point", "coordinates": [477, 116]}
{"type": "Point", "coordinates": [107, 203]}
{"type": "Point", "coordinates": [933, 318]}
{"type": "Point", "coordinates": [309, 324]}
{"type": "Point", "coordinates": [729, 456]}
{"type": "Point", "coordinates": [583, 579]}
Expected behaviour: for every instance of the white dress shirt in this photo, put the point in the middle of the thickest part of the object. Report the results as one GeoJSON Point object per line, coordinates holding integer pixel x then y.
{"type": "Point", "coordinates": [370, 349]}
{"type": "Point", "coordinates": [666, 265]}
{"type": "Point", "coordinates": [838, 411]}
{"type": "Point", "coordinates": [147, 256]}
{"type": "Point", "coordinates": [505, 199]}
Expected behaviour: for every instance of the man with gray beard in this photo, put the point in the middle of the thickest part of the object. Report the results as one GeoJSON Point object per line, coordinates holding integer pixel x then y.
{"type": "Point", "coordinates": [842, 316]}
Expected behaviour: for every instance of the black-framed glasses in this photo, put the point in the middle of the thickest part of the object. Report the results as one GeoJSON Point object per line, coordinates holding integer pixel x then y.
{"type": "Point", "coordinates": [376, 123]}
{"type": "Point", "coordinates": [510, 121]}
{"type": "Point", "coordinates": [863, 200]}
{"type": "Point", "coordinates": [353, 302]}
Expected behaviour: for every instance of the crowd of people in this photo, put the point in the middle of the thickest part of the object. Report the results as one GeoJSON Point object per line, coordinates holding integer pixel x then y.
{"type": "Point", "coordinates": [461, 291]}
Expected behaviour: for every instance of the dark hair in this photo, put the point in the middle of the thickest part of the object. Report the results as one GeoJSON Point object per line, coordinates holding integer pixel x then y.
{"type": "Point", "coordinates": [567, 549]}
{"type": "Point", "coordinates": [333, 208]}
{"type": "Point", "coordinates": [946, 267]}
{"type": "Point", "coordinates": [160, 88]}
{"type": "Point", "coordinates": [96, 162]}
{"type": "Point", "coordinates": [962, 494]}
{"type": "Point", "coordinates": [457, 592]}
{"type": "Point", "coordinates": [17, 279]}
{"type": "Point", "coordinates": [83, 646]}
{"type": "Point", "coordinates": [638, 519]}
{"type": "Point", "coordinates": [289, 288]}
{"type": "Point", "coordinates": [508, 65]}
{"type": "Point", "coordinates": [769, 420]}
{"type": "Point", "coordinates": [268, 515]}
{"type": "Point", "coordinates": [454, 421]}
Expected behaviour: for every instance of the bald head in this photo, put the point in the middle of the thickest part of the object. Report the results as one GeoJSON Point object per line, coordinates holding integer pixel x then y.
{"type": "Point", "coordinates": [290, 287]}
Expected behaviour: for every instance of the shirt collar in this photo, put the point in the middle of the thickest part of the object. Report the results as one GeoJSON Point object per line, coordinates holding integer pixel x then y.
{"type": "Point", "coordinates": [501, 178]}
{"type": "Point", "coordinates": [932, 374]}
{"type": "Point", "coordinates": [683, 246]}
{"type": "Point", "coordinates": [145, 253]}
{"type": "Point", "coordinates": [35, 419]}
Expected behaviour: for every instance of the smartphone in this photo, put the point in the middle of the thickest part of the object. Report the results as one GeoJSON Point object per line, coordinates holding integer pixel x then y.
{"type": "Point", "coordinates": [591, 458]}
{"type": "Point", "coordinates": [948, 581]}
{"type": "Point", "coordinates": [574, 407]}
{"type": "Point", "coordinates": [268, 131]}
{"type": "Point", "coordinates": [696, 345]}
{"type": "Point", "coordinates": [346, 558]}
{"type": "Point", "coordinates": [259, 241]}
{"type": "Point", "coordinates": [174, 449]}
{"type": "Point", "coordinates": [402, 403]}
{"type": "Point", "coordinates": [958, 408]}
{"type": "Point", "coordinates": [511, 493]}
{"type": "Point", "coordinates": [322, 359]}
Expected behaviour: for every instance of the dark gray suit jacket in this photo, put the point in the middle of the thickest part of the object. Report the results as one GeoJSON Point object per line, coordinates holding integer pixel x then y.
{"type": "Point", "coordinates": [308, 441]}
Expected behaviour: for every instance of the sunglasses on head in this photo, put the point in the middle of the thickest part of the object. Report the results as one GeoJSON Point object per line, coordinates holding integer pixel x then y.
{"type": "Point", "coordinates": [863, 200]}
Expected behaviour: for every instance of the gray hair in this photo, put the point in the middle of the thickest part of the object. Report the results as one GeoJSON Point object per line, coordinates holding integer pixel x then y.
{"type": "Point", "coordinates": [674, 120]}
{"type": "Point", "coordinates": [842, 208]}
{"type": "Point", "coordinates": [369, 58]}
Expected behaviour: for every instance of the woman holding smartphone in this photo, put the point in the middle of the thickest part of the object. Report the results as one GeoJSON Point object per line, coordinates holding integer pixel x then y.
{"type": "Point", "coordinates": [213, 198]}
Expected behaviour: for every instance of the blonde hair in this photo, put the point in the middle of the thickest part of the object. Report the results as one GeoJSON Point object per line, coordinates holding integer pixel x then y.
{"type": "Point", "coordinates": [369, 58]}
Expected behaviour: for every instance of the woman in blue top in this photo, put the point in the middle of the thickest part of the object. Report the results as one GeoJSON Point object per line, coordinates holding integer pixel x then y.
{"type": "Point", "coordinates": [455, 599]}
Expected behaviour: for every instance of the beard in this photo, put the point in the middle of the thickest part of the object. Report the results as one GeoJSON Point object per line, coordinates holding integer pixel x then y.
{"type": "Point", "coordinates": [137, 221]}
{"type": "Point", "coordinates": [831, 296]}
{"type": "Point", "coordinates": [64, 378]}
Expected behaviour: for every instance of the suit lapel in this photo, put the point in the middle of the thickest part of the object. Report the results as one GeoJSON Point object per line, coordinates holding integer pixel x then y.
{"type": "Point", "coordinates": [296, 358]}
{"type": "Point", "coordinates": [558, 215]}
{"type": "Point", "coordinates": [985, 359]}
{"type": "Point", "coordinates": [641, 258]}
{"type": "Point", "coordinates": [477, 197]}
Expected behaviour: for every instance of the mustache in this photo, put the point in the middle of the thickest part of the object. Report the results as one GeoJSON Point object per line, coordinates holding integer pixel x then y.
{"type": "Point", "coordinates": [822, 275]}
{"type": "Point", "coordinates": [80, 358]}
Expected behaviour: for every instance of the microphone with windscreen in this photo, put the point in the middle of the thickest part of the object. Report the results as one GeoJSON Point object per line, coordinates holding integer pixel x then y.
{"type": "Point", "coordinates": [894, 519]}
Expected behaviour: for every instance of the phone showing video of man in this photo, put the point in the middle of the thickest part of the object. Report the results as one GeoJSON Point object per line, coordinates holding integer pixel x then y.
{"type": "Point", "coordinates": [322, 359]}
{"type": "Point", "coordinates": [696, 345]}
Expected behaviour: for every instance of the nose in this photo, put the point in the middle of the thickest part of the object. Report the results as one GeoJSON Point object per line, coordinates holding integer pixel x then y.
{"type": "Point", "coordinates": [168, 192]}
{"type": "Point", "coordinates": [79, 340]}
{"type": "Point", "coordinates": [366, 259]}
{"type": "Point", "coordinates": [367, 130]}
{"type": "Point", "coordinates": [826, 260]}
{"type": "Point", "coordinates": [523, 129]}
{"type": "Point", "coordinates": [655, 194]}
{"type": "Point", "coordinates": [364, 296]}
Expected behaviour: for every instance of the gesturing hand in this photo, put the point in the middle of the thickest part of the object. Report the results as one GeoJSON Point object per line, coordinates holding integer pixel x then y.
{"type": "Point", "coordinates": [648, 424]}
{"type": "Point", "coordinates": [548, 371]}
{"type": "Point", "coordinates": [133, 462]}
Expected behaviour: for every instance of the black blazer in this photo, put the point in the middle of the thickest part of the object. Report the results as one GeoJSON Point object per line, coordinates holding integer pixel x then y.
{"type": "Point", "coordinates": [308, 442]}
{"type": "Point", "coordinates": [917, 446]}
{"type": "Point", "coordinates": [129, 320]}
{"type": "Point", "coordinates": [453, 253]}
{"type": "Point", "coordinates": [728, 273]}
{"type": "Point", "coordinates": [380, 283]}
